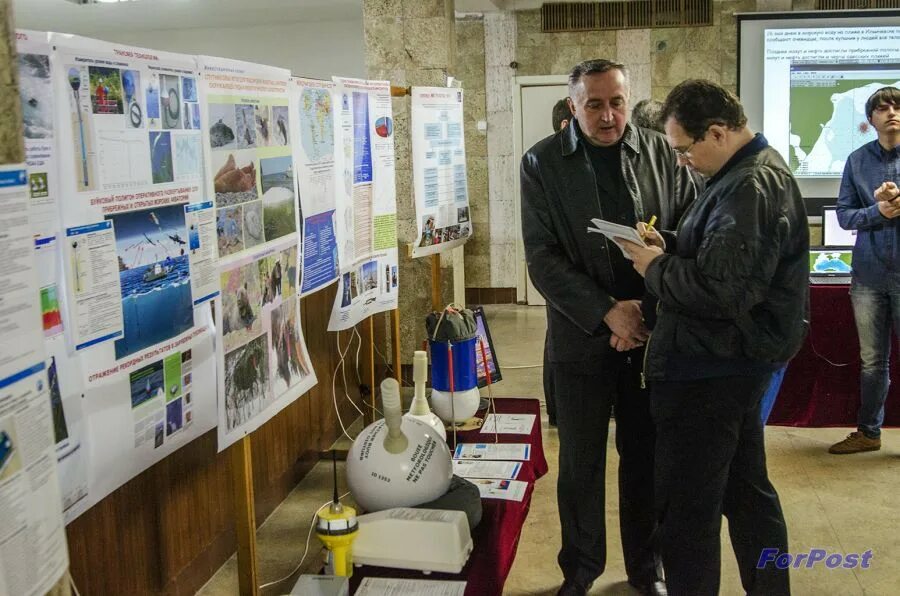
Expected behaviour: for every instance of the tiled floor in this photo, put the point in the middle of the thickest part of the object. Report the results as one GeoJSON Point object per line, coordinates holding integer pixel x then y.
{"type": "Point", "coordinates": [839, 503]}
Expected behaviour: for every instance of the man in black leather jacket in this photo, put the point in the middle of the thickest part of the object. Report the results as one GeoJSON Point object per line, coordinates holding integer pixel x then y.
{"type": "Point", "coordinates": [598, 167]}
{"type": "Point", "coordinates": [733, 307]}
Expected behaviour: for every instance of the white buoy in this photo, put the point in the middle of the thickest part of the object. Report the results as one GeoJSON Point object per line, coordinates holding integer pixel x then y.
{"type": "Point", "coordinates": [398, 461]}
{"type": "Point", "coordinates": [419, 408]}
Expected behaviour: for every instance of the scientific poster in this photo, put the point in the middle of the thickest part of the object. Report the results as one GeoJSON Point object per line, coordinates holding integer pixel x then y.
{"type": "Point", "coordinates": [314, 159]}
{"type": "Point", "coordinates": [130, 354]}
{"type": "Point", "coordinates": [249, 166]}
{"type": "Point", "coordinates": [366, 201]}
{"type": "Point", "coordinates": [262, 358]}
{"type": "Point", "coordinates": [130, 160]}
{"type": "Point", "coordinates": [36, 95]}
{"type": "Point", "coordinates": [33, 553]}
{"type": "Point", "coordinates": [439, 170]}
{"type": "Point", "coordinates": [261, 354]}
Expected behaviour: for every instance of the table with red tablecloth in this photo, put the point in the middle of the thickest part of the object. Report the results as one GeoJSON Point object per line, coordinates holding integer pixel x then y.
{"type": "Point", "coordinates": [821, 385]}
{"type": "Point", "coordinates": [496, 538]}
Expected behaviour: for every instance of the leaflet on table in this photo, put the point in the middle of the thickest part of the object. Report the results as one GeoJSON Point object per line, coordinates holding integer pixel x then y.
{"type": "Point", "coordinates": [510, 424]}
{"type": "Point", "coordinates": [503, 470]}
{"type": "Point", "coordinates": [493, 451]}
{"type": "Point", "coordinates": [381, 586]}
{"type": "Point", "coordinates": [439, 170]}
{"type": "Point", "coordinates": [36, 95]}
{"type": "Point", "coordinates": [20, 326]}
{"type": "Point", "coordinates": [65, 384]}
{"type": "Point", "coordinates": [366, 201]}
{"type": "Point", "coordinates": [247, 143]}
{"type": "Point", "coordinates": [261, 354]}
{"type": "Point", "coordinates": [33, 554]}
{"type": "Point", "coordinates": [313, 126]}
{"type": "Point", "coordinates": [506, 490]}
{"type": "Point", "coordinates": [129, 120]}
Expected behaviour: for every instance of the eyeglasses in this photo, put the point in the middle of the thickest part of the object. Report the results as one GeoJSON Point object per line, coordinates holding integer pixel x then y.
{"type": "Point", "coordinates": [686, 152]}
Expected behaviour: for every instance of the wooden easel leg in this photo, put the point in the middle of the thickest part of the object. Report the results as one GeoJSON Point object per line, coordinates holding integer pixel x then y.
{"type": "Point", "coordinates": [437, 302]}
{"type": "Point", "coordinates": [370, 349]}
{"type": "Point", "coordinates": [395, 344]}
{"type": "Point", "coordinates": [244, 516]}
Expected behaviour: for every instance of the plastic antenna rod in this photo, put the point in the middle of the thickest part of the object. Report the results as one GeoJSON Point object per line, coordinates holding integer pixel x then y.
{"type": "Point", "coordinates": [395, 441]}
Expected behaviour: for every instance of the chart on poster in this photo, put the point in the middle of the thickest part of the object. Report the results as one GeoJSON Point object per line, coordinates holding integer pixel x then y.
{"type": "Point", "coordinates": [365, 197]}
{"type": "Point", "coordinates": [314, 158]}
{"type": "Point", "coordinates": [262, 361]}
{"type": "Point", "coordinates": [439, 170]}
{"type": "Point", "coordinates": [129, 336]}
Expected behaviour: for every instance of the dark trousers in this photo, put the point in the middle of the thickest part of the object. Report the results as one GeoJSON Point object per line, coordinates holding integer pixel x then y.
{"type": "Point", "coordinates": [549, 399]}
{"type": "Point", "coordinates": [710, 461]}
{"type": "Point", "coordinates": [584, 394]}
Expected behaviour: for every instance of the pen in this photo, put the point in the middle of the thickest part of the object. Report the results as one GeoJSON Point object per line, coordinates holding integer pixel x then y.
{"type": "Point", "coordinates": [649, 227]}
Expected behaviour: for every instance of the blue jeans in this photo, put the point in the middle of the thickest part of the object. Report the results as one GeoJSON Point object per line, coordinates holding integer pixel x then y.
{"type": "Point", "coordinates": [876, 309]}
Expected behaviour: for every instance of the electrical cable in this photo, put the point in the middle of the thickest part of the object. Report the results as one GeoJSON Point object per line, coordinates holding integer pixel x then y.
{"type": "Point", "coordinates": [72, 583]}
{"type": "Point", "coordinates": [334, 388]}
{"type": "Point", "coordinates": [312, 525]}
{"type": "Point", "coordinates": [816, 352]}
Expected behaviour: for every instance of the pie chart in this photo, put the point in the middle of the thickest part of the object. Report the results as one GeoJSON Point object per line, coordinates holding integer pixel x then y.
{"type": "Point", "coordinates": [384, 126]}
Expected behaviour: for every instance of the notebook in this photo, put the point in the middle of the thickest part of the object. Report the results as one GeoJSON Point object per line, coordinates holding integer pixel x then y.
{"type": "Point", "coordinates": [831, 266]}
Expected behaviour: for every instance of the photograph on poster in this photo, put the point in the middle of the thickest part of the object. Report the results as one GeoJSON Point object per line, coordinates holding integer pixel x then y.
{"type": "Point", "coordinates": [172, 374]}
{"type": "Point", "coordinates": [263, 126]}
{"type": "Point", "coordinates": [368, 272]}
{"type": "Point", "coordinates": [186, 114]}
{"type": "Point", "coordinates": [147, 383]}
{"type": "Point", "coordinates": [153, 99]}
{"type": "Point", "coordinates": [230, 230]}
{"type": "Point", "coordinates": [428, 232]}
{"type": "Point", "coordinates": [159, 435]}
{"type": "Point", "coordinates": [105, 86]}
{"type": "Point", "coordinates": [221, 131]}
{"type": "Point", "coordinates": [462, 214]}
{"type": "Point", "coordinates": [280, 125]}
{"type": "Point", "coordinates": [235, 178]}
{"type": "Point", "coordinates": [242, 299]}
{"type": "Point", "coordinates": [289, 269]}
{"type": "Point", "coordinates": [270, 272]}
{"type": "Point", "coordinates": [170, 101]}
{"type": "Point", "coordinates": [277, 180]}
{"type": "Point", "coordinates": [246, 381]}
{"type": "Point", "coordinates": [174, 418]}
{"type": "Point", "coordinates": [195, 116]}
{"type": "Point", "coordinates": [35, 95]}
{"type": "Point", "coordinates": [82, 125]}
{"type": "Point", "coordinates": [60, 428]}
{"type": "Point", "coordinates": [10, 462]}
{"type": "Point", "coordinates": [189, 88]}
{"type": "Point", "coordinates": [253, 224]}
{"type": "Point", "coordinates": [154, 276]}
{"type": "Point", "coordinates": [161, 164]}
{"type": "Point", "coordinates": [291, 365]}
{"type": "Point", "coordinates": [394, 276]}
{"type": "Point", "coordinates": [131, 85]}
{"type": "Point", "coordinates": [245, 119]}
{"type": "Point", "coordinates": [354, 285]}
{"type": "Point", "coordinates": [345, 290]}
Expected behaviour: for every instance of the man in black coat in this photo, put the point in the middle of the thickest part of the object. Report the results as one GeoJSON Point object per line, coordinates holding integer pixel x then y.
{"type": "Point", "coordinates": [598, 167]}
{"type": "Point", "coordinates": [733, 308]}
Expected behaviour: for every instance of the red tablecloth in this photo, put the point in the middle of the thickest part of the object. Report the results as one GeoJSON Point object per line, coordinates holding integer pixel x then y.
{"type": "Point", "coordinates": [816, 392]}
{"type": "Point", "coordinates": [496, 538]}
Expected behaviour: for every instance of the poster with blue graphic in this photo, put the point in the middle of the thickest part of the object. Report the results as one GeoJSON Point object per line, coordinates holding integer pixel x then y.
{"type": "Point", "coordinates": [365, 201]}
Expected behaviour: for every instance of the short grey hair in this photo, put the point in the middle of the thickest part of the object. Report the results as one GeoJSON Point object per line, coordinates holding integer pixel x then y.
{"type": "Point", "coordinates": [646, 114]}
{"type": "Point", "coordinates": [595, 66]}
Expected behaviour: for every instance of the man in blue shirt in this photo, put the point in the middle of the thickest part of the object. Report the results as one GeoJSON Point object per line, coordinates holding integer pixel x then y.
{"type": "Point", "coordinates": [869, 201]}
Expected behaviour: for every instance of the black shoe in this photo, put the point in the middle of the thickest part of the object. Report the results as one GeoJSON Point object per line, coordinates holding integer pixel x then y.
{"type": "Point", "coordinates": [571, 588]}
{"type": "Point", "coordinates": [656, 587]}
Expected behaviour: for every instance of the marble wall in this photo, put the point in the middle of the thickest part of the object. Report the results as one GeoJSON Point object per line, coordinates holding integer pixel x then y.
{"type": "Point", "coordinates": [657, 59]}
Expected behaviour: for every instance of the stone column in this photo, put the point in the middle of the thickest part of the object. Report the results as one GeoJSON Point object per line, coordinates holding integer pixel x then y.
{"type": "Point", "coordinates": [411, 43]}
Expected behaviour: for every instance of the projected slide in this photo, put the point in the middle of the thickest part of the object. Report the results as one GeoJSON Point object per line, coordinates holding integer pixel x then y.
{"type": "Point", "coordinates": [827, 75]}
